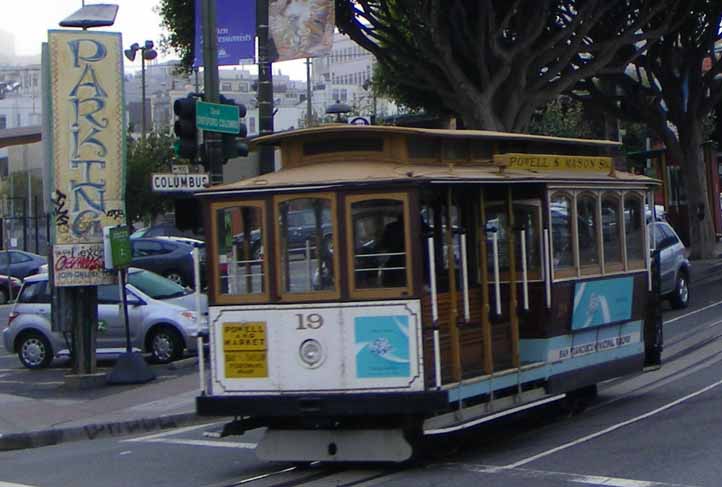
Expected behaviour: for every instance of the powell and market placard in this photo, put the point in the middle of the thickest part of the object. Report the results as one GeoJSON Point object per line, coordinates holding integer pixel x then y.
{"type": "Point", "coordinates": [88, 159]}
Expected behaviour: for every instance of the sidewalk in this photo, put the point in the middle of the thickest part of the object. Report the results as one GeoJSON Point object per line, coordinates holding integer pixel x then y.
{"type": "Point", "coordinates": [703, 269]}
{"type": "Point", "coordinates": [105, 411]}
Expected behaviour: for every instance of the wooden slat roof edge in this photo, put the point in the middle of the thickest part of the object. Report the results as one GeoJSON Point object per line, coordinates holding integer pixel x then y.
{"type": "Point", "coordinates": [342, 129]}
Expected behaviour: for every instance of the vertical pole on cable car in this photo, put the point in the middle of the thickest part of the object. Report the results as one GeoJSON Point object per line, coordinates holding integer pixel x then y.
{"type": "Point", "coordinates": [524, 276]}
{"type": "Point", "coordinates": [547, 270]}
{"type": "Point", "coordinates": [434, 312]}
{"type": "Point", "coordinates": [199, 318]}
{"type": "Point", "coordinates": [497, 284]}
{"type": "Point", "coordinates": [488, 358]}
{"type": "Point", "coordinates": [513, 311]}
{"type": "Point", "coordinates": [453, 305]}
{"type": "Point", "coordinates": [464, 276]}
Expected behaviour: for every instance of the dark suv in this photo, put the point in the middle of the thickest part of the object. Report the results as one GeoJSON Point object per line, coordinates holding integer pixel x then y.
{"type": "Point", "coordinates": [166, 257]}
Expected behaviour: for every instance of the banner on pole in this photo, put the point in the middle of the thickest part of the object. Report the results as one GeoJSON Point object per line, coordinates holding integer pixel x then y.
{"type": "Point", "coordinates": [236, 27]}
{"type": "Point", "coordinates": [88, 151]}
{"type": "Point", "coordinates": [301, 28]}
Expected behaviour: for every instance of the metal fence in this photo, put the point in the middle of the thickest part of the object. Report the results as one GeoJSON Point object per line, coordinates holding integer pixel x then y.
{"type": "Point", "coordinates": [29, 233]}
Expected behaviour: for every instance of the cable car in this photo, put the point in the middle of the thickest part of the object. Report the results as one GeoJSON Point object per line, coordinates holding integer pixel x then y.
{"type": "Point", "coordinates": [390, 283]}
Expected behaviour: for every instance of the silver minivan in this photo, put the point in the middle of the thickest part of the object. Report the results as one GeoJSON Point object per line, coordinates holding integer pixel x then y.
{"type": "Point", "coordinates": [160, 314]}
{"type": "Point", "coordinates": [674, 265]}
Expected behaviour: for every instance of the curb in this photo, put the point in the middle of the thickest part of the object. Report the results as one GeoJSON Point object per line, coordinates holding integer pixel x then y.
{"type": "Point", "coordinates": [94, 431]}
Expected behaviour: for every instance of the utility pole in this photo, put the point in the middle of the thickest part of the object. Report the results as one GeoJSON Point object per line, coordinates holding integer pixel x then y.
{"type": "Point", "coordinates": [309, 105]}
{"type": "Point", "coordinates": [212, 140]}
{"type": "Point", "coordinates": [265, 87]}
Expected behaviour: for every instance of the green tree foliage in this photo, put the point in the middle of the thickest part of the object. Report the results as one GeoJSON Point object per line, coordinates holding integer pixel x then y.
{"type": "Point", "coordinates": [491, 63]}
{"type": "Point", "coordinates": [562, 117]}
{"type": "Point", "coordinates": [144, 158]}
{"type": "Point", "coordinates": [672, 87]}
{"type": "Point", "coordinates": [177, 17]}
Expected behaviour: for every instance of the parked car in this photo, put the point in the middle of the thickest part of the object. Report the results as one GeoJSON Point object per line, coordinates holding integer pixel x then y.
{"type": "Point", "coordinates": [162, 321]}
{"type": "Point", "coordinates": [9, 288]}
{"type": "Point", "coordinates": [674, 265]}
{"type": "Point", "coordinates": [166, 257]}
{"type": "Point", "coordinates": [164, 230]}
{"type": "Point", "coordinates": [19, 263]}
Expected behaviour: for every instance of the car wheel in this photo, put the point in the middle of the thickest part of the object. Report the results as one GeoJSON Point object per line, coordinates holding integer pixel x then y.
{"type": "Point", "coordinates": [175, 277]}
{"type": "Point", "coordinates": [680, 297]}
{"type": "Point", "coordinates": [34, 351]}
{"type": "Point", "coordinates": [165, 344]}
{"type": "Point", "coordinates": [3, 296]}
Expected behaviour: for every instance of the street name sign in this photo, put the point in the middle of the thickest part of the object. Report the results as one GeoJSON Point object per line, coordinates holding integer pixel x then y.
{"type": "Point", "coordinates": [552, 162]}
{"type": "Point", "coordinates": [216, 117]}
{"type": "Point", "coordinates": [173, 183]}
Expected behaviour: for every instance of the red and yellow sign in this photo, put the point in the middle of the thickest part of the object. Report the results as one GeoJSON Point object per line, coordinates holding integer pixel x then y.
{"type": "Point", "coordinates": [551, 162]}
{"type": "Point", "coordinates": [244, 350]}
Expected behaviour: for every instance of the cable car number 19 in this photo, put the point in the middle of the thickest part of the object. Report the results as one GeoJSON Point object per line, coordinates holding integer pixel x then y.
{"type": "Point", "coordinates": [314, 321]}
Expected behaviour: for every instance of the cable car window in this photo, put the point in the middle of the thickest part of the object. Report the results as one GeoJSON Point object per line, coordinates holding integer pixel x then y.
{"type": "Point", "coordinates": [306, 241]}
{"type": "Point", "coordinates": [241, 266]}
{"type": "Point", "coordinates": [526, 217]}
{"type": "Point", "coordinates": [379, 259]}
{"type": "Point", "coordinates": [611, 233]}
{"type": "Point", "coordinates": [634, 231]}
{"type": "Point", "coordinates": [562, 243]}
{"type": "Point", "coordinates": [587, 233]}
{"type": "Point", "coordinates": [379, 243]}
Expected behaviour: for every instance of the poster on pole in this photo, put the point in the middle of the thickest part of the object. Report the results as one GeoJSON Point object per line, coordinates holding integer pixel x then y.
{"type": "Point", "coordinates": [300, 28]}
{"type": "Point", "coordinates": [236, 27]}
{"type": "Point", "coordinates": [88, 151]}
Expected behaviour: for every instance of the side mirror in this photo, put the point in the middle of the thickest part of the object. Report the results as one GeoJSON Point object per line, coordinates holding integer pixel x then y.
{"type": "Point", "coordinates": [134, 300]}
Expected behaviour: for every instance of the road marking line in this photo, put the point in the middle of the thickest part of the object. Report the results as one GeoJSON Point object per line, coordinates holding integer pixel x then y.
{"type": "Point", "coordinates": [613, 427]}
{"type": "Point", "coordinates": [693, 312]}
{"type": "Point", "coordinates": [568, 477]}
{"type": "Point", "coordinates": [221, 444]}
{"type": "Point", "coordinates": [170, 432]}
{"type": "Point", "coordinates": [21, 382]}
{"type": "Point", "coordinates": [10, 484]}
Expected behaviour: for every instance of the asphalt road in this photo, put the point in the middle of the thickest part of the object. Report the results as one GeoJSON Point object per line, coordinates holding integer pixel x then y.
{"type": "Point", "coordinates": [654, 429]}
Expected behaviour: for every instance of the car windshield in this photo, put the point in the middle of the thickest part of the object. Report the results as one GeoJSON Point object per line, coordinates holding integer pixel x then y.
{"type": "Point", "coordinates": [155, 286]}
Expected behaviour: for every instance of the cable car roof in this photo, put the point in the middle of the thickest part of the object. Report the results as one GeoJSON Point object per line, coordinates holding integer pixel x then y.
{"type": "Point", "coordinates": [347, 129]}
{"type": "Point", "coordinates": [347, 174]}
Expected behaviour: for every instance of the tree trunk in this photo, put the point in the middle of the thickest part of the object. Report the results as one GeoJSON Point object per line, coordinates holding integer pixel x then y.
{"type": "Point", "coordinates": [701, 228]}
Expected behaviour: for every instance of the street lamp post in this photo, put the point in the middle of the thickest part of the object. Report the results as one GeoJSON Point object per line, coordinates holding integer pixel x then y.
{"type": "Point", "coordinates": [146, 52]}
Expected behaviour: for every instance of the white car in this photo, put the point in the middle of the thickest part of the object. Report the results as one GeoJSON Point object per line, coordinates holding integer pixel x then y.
{"type": "Point", "coordinates": [162, 320]}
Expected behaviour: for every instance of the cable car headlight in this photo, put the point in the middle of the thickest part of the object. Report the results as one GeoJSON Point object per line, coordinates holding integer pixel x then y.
{"type": "Point", "coordinates": [311, 353]}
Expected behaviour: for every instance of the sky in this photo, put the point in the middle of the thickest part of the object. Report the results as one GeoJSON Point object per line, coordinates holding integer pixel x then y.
{"type": "Point", "coordinates": [29, 21]}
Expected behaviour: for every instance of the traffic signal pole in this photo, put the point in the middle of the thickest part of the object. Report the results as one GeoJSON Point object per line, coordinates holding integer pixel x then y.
{"type": "Point", "coordinates": [265, 87]}
{"type": "Point", "coordinates": [212, 141]}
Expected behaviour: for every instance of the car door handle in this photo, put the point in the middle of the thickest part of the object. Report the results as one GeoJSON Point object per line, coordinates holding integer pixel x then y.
{"type": "Point", "coordinates": [43, 311]}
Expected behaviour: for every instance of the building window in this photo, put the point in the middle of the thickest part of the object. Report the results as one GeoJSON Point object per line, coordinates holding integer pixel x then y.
{"type": "Point", "coordinates": [3, 122]}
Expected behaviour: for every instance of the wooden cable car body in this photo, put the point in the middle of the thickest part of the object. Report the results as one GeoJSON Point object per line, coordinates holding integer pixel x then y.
{"type": "Point", "coordinates": [391, 282]}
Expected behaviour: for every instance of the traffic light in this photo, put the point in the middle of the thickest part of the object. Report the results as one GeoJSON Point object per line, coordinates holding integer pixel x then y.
{"type": "Point", "coordinates": [234, 145]}
{"type": "Point", "coordinates": [186, 145]}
